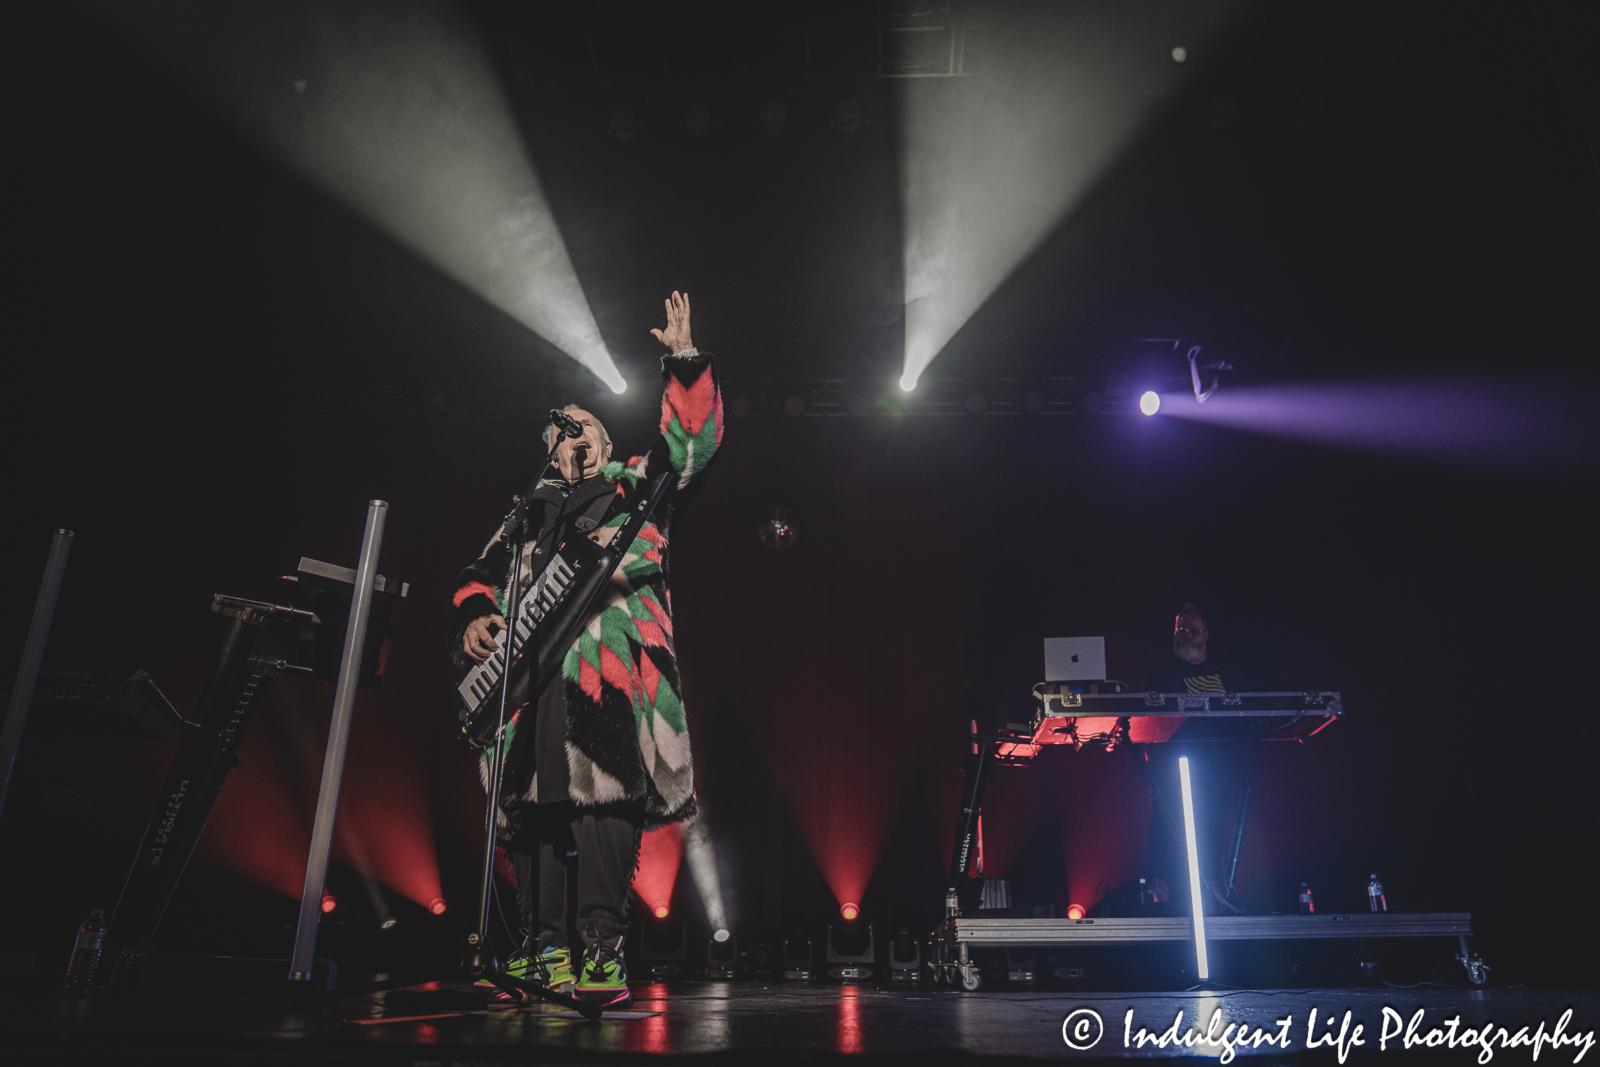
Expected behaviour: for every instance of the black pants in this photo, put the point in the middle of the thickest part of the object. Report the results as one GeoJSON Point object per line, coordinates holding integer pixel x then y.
{"type": "Point", "coordinates": [604, 844]}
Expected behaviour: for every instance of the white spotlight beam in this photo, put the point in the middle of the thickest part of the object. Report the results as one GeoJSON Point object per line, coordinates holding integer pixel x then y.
{"type": "Point", "coordinates": [1201, 966]}
{"type": "Point", "coordinates": [990, 164]}
{"type": "Point", "coordinates": [394, 109]}
{"type": "Point", "coordinates": [703, 869]}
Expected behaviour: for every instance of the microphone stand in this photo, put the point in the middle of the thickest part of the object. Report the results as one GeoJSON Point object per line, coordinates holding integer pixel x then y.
{"type": "Point", "coordinates": [479, 961]}
{"type": "Point", "coordinates": [480, 955]}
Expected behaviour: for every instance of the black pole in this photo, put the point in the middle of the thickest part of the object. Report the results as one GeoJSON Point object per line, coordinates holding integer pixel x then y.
{"type": "Point", "coordinates": [44, 609]}
{"type": "Point", "coordinates": [480, 954]}
{"type": "Point", "coordinates": [967, 822]}
{"type": "Point", "coordinates": [190, 788]}
{"type": "Point", "coordinates": [1246, 777]}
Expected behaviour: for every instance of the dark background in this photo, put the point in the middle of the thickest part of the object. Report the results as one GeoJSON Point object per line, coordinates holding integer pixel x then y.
{"type": "Point", "coordinates": [211, 367]}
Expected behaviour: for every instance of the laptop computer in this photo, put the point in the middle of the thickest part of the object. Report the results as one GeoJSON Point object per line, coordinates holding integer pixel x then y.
{"type": "Point", "coordinates": [1074, 659]}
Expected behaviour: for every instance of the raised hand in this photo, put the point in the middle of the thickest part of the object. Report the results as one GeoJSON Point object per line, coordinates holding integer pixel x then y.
{"type": "Point", "coordinates": [676, 335]}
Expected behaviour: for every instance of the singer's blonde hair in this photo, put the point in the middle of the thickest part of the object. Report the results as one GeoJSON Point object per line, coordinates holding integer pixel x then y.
{"type": "Point", "coordinates": [550, 429]}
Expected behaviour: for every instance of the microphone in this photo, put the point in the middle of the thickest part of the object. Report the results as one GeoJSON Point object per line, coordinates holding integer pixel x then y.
{"type": "Point", "coordinates": [568, 425]}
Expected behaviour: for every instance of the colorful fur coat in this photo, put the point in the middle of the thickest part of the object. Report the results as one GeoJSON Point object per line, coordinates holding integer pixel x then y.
{"type": "Point", "coordinates": [626, 735]}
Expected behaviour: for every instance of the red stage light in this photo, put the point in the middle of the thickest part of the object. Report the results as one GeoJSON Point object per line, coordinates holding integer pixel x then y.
{"type": "Point", "coordinates": [436, 905]}
{"type": "Point", "coordinates": [328, 903]}
{"type": "Point", "coordinates": [850, 912]}
{"type": "Point", "coordinates": [1075, 911]}
{"type": "Point", "coordinates": [660, 853]}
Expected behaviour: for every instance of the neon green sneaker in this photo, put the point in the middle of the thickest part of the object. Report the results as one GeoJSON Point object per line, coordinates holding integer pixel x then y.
{"type": "Point", "coordinates": [603, 977]}
{"type": "Point", "coordinates": [551, 968]}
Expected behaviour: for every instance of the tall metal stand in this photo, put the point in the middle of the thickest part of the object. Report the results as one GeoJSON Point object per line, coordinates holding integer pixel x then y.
{"type": "Point", "coordinates": [479, 961]}
{"type": "Point", "coordinates": [1246, 779]}
{"type": "Point", "coordinates": [344, 700]}
{"type": "Point", "coordinates": [979, 755]}
{"type": "Point", "coordinates": [480, 952]}
{"type": "Point", "coordinates": [199, 769]}
{"type": "Point", "coordinates": [44, 608]}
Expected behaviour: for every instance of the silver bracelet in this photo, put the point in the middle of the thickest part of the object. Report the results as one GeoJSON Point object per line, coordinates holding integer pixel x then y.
{"type": "Point", "coordinates": [688, 352]}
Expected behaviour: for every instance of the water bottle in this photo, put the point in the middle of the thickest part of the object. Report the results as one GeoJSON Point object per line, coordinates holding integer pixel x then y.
{"type": "Point", "coordinates": [1307, 905]}
{"type": "Point", "coordinates": [1375, 897]}
{"type": "Point", "coordinates": [86, 953]}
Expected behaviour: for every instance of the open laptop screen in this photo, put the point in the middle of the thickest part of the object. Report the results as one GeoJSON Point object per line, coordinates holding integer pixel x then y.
{"type": "Point", "coordinates": [1074, 659]}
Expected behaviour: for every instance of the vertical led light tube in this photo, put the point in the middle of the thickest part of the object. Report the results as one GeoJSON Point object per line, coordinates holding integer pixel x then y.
{"type": "Point", "coordinates": [1202, 968]}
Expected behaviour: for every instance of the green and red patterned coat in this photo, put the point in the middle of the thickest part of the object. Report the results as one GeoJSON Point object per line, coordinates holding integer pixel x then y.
{"type": "Point", "coordinates": [626, 734]}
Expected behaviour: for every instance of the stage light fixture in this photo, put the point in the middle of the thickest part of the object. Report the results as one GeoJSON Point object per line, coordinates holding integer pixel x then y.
{"type": "Point", "coordinates": [778, 532]}
{"type": "Point", "coordinates": [1202, 392]}
{"type": "Point", "coordinates": [663, 948]}
{"type": "Point", "coordinates": [853, 948]}
{"type": "Point", "coordinates": [328, 903]}
{"type": "Point", "coordinates": [1150, 402]}
{"type": "Point", "coordinates": [1075, 911]}
{"type": "Point", "coordinates": [655, 878]}
{"type": "Point", "coordinates": [850, 912]}
{"type": "Point", "coordinates": [905, 957]}
{"type": "Point", "coordinates": [408, 126]}
{"type": "Point", "coordinates": [388, 924]}
{"type": "Point", "coordinates": [1202, 968]}
{"type": "Point", "coordinates": [799, 958]}
{"type": "Point", "coordinates": [722, 959]}
{"type": "Point", "coordinates": [436, 905]}
{"type": "Point", "coordinates": [720, 935]}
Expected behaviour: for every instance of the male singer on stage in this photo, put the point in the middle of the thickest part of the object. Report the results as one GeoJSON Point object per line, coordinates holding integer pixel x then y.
{"type": "Point", "coordinates": [603, 753]}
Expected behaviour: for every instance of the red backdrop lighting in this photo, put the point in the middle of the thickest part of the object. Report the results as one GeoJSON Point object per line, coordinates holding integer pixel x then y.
{"type": "Point", "coordinates": [386, 827]}
{"type": "Point", "coordinates": [1105, 822]}
{"type": "Point", "coordinates": [660, 853]}
{"type": "Point", "coordinates": [255, 831]}
{"type": "Point", "coordinates": [259, 830]}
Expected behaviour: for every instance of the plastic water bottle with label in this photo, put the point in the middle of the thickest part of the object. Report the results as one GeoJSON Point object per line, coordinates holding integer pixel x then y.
{"type": "Point", "coordinates": [1308, 906]}
{"type": "Point", "coordinates": [1375, 898]}
{"type": "Point", "coordinates": [86, 953]}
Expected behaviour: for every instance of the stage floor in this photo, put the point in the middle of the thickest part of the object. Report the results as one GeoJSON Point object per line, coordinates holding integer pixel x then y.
{"type": "Point", "coordinates": [779, 1022]}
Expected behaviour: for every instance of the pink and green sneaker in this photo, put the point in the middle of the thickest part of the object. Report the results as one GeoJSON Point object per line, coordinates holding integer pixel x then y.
{"type": "Point", "coordinates": [602, 976]}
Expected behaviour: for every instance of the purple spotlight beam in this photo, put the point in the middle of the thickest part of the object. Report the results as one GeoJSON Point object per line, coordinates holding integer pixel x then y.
{"type": "Point", "coordinates": [1540, 424]}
